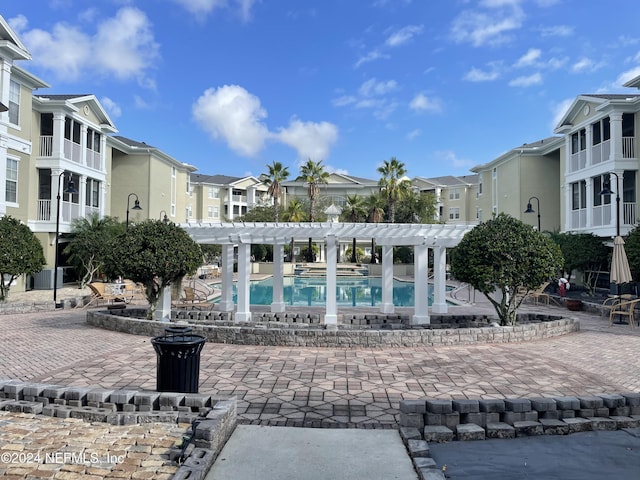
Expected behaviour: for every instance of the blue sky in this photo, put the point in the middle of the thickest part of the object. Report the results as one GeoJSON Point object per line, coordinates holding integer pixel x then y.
{"type": "Point", "coordinates": [230, 86]}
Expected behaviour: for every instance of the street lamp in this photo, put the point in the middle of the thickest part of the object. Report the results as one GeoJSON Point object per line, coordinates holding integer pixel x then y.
{"type": "Point", "coordinates": [164, 218]}
{"type": "Point", "coordinates": [531, 210]}
{"type": "Point", "coordinates": [136, 206]}
{"type": "Point", "coordinates": [71, 189]}
{"type": "Point", "coordinates": [606, 190]}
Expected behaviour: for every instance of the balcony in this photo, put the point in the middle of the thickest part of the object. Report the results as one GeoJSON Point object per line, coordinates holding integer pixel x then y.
{"type": "Point", "coordinates": [68, 211]}
{"type": "Point", "coordinates": [71, 151]}
{"type": "Point", "coordinates": [601, 216]}
{"type": "Point", "coordinates": [601, 153]}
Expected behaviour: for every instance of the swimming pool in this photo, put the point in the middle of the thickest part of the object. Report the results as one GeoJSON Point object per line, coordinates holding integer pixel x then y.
{"type": "Point", "coordinates": [350, 292]}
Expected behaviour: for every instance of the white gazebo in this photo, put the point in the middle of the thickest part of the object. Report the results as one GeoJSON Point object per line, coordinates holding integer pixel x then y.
{"type": "Point", "coordinates": [438, 237]}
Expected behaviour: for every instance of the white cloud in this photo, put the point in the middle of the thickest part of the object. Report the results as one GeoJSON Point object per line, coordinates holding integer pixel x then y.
{"type": "Point", "coordinates": [123, 47]}
{"type": "Point", "coordinates": [422, 103]}
{"type": "Point", "coordinates": [18, 23]}
{"type": "Point", "coordinates": [414, 134]}
{"type": "Point", "coordinates": [309, 139]}
{"type": "Point", "coordinates": [559, 110]}
{"type": "Point", "coordinates": [370, 57]}
{"type": "Point", "coordinates": [477, 75]}
{"type": "Point", "coordinates": [232, 114]}
{"type": "Point", "coordinates": [372, 87]}
{"type": "Point", "coordinates": [491, 26]}
{"type": "Point", "coordinates": [529, 58]}
{"type": "Point", "coordinates": [585, 65]}
{"type": "Point", "coordinates": [344, 100]}
{"type": "Point", "coordinates": [526, 81]}
{"type": "Point", "coordinates": [450, 158]}
{"type": "Point", "coordinates": [404, 35]}
{"type": "Point", "coordinates": [202, 8]}
{"type": "Point", "coordinates": [626, 76]}
{"type": "Point", "coordinates": [557, 31]}
{"type": "Point", "coordinates": [112, 108]}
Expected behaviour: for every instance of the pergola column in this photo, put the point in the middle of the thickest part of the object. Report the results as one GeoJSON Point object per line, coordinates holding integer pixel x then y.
{"type": "Point", "coordinates": [331, 311]}
{"type": "Point", "coordinates": [421, 285]}
{"type": "Point", "coordinates": [277, 305]}
{"type": "Point", "coordinates": [387, 279]}
{"type": "Point", "coordinates": [226, 295]}
{"type": "Point", "coordinates": [243, 311]}
{"type": "Point", "coordinates": [440, 280]}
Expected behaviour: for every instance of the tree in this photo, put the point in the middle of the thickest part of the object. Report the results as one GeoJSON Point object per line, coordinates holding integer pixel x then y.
{"type": "Point", "coordinates": [90, 243]}
{"type": "Point", "coordinates": [416, 207]}
{"type": "Point", "coordinates": [584, 252]}
{"type": "Point", "coordinates": [156, 254]}
{"type": "Point", "coordinates": [277, 174]}
{"type": "Point", "coordinates": [21, 253]}
{"type": "Point", "coordinates": [393, 185]}
{"type": "Point", "coordinates": [294, 213]}
{"type": "Point", "coordinates": [261, 213]}
{"type": "Point", "coordinates": [503, 255]}
{"type": "Point", "coordinates": [632, 247]}
{"type": "Point", "coordinates": [354, 211]}
{"type": "Point", "coordinates": [314, 175]}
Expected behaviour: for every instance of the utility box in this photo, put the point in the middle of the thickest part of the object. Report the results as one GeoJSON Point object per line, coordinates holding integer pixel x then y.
{"type": "Point", "coordinates": [43, 280]}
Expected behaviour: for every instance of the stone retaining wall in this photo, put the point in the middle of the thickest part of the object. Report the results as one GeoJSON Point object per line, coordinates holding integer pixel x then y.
{"type": "Point", "coordinates": [212, 420]}
{"type": "Point", "coordinates": [307, 334]}
{"type": "Point", "coordinates": [424, 421]}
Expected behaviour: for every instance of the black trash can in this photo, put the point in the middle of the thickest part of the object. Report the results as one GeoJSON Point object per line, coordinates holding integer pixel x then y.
{"type": "Point", "coordinates": [178, 354]}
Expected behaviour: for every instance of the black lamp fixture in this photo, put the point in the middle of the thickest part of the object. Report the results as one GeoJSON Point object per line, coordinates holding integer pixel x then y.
{"type": "Point", "coordinates": [71, 189]}
{"type": "Point", "coordinates": [136, 206]}
{"type": "Point", "coordinates": [606, 190]}
{"type": "Point", "coordinates": [164, 217]}
{"type": "Point", "coordinates": [3, 108]}
{"type": "Point", "coordinates": [531, 210]}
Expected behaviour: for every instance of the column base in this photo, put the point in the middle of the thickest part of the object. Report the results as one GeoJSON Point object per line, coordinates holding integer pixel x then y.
{"type": "Point", "coordinates": [277, 307]}
{"type": "Point", "coordinates": [225, 306]}
{"type": "Point", "coordinates": [242, 317]}
{"type": "Point", "coordinates": [387, 308]}
{"type": "Point", "coordinates": [420, 320]}
{"type": "Point", "coordinates": [439, 308]}
{"type": "Point", "coordinates": [330, 320]}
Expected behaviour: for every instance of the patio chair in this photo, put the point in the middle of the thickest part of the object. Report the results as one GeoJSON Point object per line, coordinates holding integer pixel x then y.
{"type": "Point", "coordinates": [99, 294]}
{"type": "Point", "coordinates": [192, 299]}
{"type": "Point", "coordinates": [624, 309]}
{"type": "Point", "coordinates": [134, 292]}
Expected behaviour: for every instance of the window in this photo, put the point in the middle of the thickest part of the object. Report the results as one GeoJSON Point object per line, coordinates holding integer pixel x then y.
{"type": "Point", "coordinates": [216, 212]}
{"type": "Point", "coordinates": [628, 125]}
{"type": "Point", "coordinates": [189, 191]}
{"type": "Point", "coordinates": [72, 130]}
{"type": "Point", "coordinates": [210, 211]}
{"type": "Point", "coordinates": [11, 195]}
{"type": "Point", "coordinates": [14, 102]}
{"type": "Point", "coordinates": [579, 195]}
{"type": "Point", "coordinates": [454, 213]}
{"type": "Point", "coordinates": [480, 185]}
{"type": "Point", "coordinates": [454, 194]}
{"type": "Point", "coordinates": [479, 214]}
{"type": "Point", "coordinates": [579, 141]}
{"type": "Point", "coordinates": [598, 185]}
{"type": "Point", "coordinates": [214, 192]}
{"type": "Point", "coordinates": [601, 131]}
{"type": "Point", "coordinates": [93, 140]}
{"type": "Point", "coordinates": [92, 193]}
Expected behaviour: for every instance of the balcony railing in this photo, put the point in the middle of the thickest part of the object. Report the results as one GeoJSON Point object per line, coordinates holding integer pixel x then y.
{"type": "Point", "coordinates": [602, 216]}
{"type": "Point", "coordinates": [46, 145]}
{"type": "Point", "coordinates": [94, 159]}
{"type": "Point", "coordinates": [68, 211]}
{"type": "Point", "coordinates": [628, 147]}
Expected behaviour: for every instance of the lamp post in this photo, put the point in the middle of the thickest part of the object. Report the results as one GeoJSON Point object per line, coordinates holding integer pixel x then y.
{"type": "Point", "coordinates": [71, 188]}
{"type": "Point", "coordinates": [606, 190]}
{"type": "Point", "coordinates": [531, 210]}
{"type": "Point", "coordinates": [136, 206]}
{"type": "Point", "coordinates": [164, 217]}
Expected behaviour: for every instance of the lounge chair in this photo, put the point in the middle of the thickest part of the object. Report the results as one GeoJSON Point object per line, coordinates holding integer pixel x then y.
{"type": "Point", "coordinates": [194, 300]}
{"type": "Point", "coordinates": [99, 294]}
{"type": "Point", "coordinates": [624, 309]}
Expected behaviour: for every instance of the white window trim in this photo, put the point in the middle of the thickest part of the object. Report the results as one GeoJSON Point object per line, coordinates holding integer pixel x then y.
{"type": "Point", "coordinates": [17, 181]}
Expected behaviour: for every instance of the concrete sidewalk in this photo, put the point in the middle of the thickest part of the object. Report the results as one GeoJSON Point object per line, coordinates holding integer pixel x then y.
{"type": "Point", "coordinates": [291, 453]}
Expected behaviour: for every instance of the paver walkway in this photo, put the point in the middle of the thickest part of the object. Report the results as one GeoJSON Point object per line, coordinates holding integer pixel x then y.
{"type": "Point", "coordinates": [308, 386]}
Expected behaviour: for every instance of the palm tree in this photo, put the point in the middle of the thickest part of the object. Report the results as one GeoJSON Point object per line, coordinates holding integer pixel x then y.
{"type": "Point", "coordinates": [354, 211]}
{"type": "Point", "coordinates": [375, 208]}
{"type": "Point", "coordinates": [294, 213]}
{"type": "Point", "coordinates": [313, 174]}
{"type": "Point", "coordinates": [277, 174]}
{"type": "Point", "coordinates": [393, 184]}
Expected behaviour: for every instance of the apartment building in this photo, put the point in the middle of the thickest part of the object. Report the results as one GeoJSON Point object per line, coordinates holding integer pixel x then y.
{"type": "Point", "coordinates": [219, 198]}
{"type": "Point", "coordinates": [599, 149]}
{"type": "Point", "coordinates": [528, 175]}
{"type": "Point", "coordinates": [160, 183]}
{"type": "Point", "coordinates": [456, 197]}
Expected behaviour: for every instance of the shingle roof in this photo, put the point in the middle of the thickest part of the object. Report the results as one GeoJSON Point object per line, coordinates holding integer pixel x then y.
{"type": "Point", "coordinates": [132, 143]}
{"type": "Point", "coordinates": [64, 97]}
{"type": "Point", "coordinates": [216, 179]}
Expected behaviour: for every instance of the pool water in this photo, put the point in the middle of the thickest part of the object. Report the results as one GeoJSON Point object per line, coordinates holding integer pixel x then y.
{"type": "Point", "coordinates": [350, 291]}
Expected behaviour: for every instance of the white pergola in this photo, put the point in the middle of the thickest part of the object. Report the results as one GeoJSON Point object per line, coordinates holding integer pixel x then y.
{"type": "Point", "coordinates": [438, 237]}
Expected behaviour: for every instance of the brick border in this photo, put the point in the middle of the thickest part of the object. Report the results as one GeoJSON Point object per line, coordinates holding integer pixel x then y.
{"type": "Point", "coordinates": [424, 421]}
{"type": "Point", "coordinates": [300, 334]}
{"type": "Point", "coordinates": [212, 420]}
